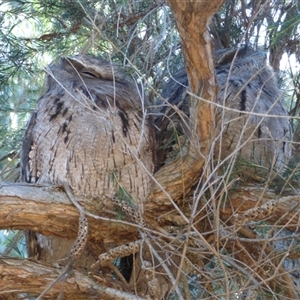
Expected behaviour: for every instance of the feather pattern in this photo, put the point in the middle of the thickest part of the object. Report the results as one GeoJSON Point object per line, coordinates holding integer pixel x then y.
{"type": "Point", "coordinates": [90, 130]}
{"type": "Point", "coordinates": [251, 118]}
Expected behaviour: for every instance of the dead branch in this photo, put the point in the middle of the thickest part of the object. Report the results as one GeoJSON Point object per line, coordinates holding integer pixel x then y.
{"type": "Point", "coordinates": [19, 275]}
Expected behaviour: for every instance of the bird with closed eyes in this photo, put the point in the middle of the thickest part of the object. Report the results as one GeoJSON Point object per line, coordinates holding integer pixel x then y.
{"type": "Point", "coordinates": [91, 131]}
{"type": "Point", "coordinates": [252, 123]}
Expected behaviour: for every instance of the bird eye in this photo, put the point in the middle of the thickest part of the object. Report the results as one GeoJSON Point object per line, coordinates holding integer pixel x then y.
{"type": "Point", "coordinates": [90, 73]}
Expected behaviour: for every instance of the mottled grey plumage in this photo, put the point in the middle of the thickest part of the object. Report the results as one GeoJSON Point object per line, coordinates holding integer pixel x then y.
{"type": "Point", "coordinates": [249, 86]}
{"type": "Point", "coordinates": [90, 131]}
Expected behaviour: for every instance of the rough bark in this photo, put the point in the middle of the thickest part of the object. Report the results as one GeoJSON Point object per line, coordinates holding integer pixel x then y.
{"type": "Point", "coordinates": [48, 210]}
{"type": "Point", "coordinates": [19, 275]}
{"type": "Point", "coordinates": [45, 209]}
{"type": "Point", "coordinates": [177, 178]}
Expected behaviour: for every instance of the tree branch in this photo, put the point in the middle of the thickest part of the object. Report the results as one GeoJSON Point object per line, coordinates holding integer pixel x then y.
{"type": "Point", "coordinates": [19, 275]}
{"type": "Point", "coordinates": [285, 213]}
{"type": "Point", "coordinates": [177, 178]}
{"type": "Point", "coordinates": [48, 210]}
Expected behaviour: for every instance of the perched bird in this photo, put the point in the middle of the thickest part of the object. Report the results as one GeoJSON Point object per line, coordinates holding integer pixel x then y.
{"type": "Point", "coordinates": [91, 131]}
{"type": "Point", "coordinates": [252, 122]}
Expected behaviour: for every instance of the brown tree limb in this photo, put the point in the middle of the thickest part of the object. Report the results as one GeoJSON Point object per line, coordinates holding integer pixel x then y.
{"type": "Point", "coordinates": [177, 178]}
{"type": "Point", "coordinates": [19, 275]}
{"type": "Point", "coordinates": [285, 213]}
{"type": "Point", "coordinates": [48, 210]}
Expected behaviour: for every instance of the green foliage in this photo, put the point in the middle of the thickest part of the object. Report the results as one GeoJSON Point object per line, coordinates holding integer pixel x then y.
{"type": "Point", "coordinates": [12, 243]}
